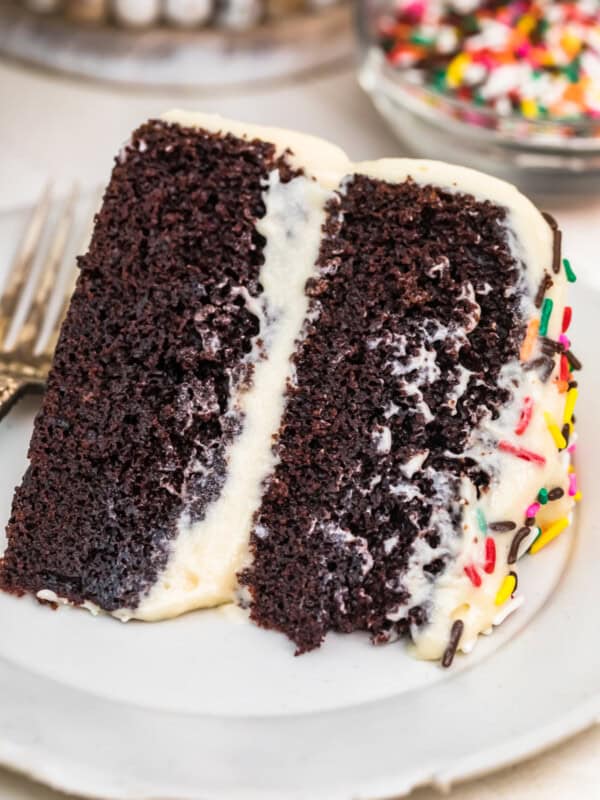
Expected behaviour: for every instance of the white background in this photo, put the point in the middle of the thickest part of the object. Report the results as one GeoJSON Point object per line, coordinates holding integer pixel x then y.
{"type": "Point", "coordinates": [70, 130]}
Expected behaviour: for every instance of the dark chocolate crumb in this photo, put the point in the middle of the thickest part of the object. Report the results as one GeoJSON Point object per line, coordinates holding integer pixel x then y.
{"type": "Point", "coordinates": [450, 651]}
{"type": "Point", "coordinates": [555, 494]}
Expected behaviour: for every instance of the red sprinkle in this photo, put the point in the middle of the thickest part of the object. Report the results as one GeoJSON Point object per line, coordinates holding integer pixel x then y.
{"type": "Point", "coordinates": [473, 575]}
{"type": "Point", "coordinates": [566, 320]}
{"type": "Point", "coordinates": [525, 417]}
{"type": "Point", "coordinates": [521, 452]}
{"type": "Point", "coordinates": [490, 555]}
{"type": "Point", "coordinates": [565, 374]}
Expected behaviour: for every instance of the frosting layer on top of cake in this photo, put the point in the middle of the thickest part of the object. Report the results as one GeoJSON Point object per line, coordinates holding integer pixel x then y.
{"type": "Point", "coordinates": [342, 444]}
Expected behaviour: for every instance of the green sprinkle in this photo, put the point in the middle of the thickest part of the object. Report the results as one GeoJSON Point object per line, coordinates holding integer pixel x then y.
{"type": "Point", "coordinates": [421, 38]}
{"type": "Point", "coordinates": [571, 71]}
{"type": "Point", "coordinates": [571, 277]}
{"type": "Point", "coordinates": [543, 496]}
{"type": "Point", "coordinates": [439, 80]}
{"type": "Point", "coordinates": [543, 25]}
{"type": "Point", "coordinates": [481, 521]}
{"type": "Point", "coordinates": [545, 319]}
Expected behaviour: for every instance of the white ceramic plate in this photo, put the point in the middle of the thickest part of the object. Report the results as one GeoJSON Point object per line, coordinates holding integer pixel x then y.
{"type": "Point", "coordinates": [208, 706]}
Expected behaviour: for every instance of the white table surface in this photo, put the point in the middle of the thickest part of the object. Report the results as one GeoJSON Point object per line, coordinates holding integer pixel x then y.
{"type": "Point", "coordinates": [69, 130]}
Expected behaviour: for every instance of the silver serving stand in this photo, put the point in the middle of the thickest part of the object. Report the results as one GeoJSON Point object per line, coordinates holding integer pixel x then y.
{"type": "Point", "coordinates": [284, 49]}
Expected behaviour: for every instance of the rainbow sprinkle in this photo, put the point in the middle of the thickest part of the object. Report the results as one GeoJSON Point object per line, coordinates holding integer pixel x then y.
{"type": "Point", "coordinates": [548, 535]}
{"type": "Point", "coordinates": [507, 588]}
{"type": "Point", "coordinates": [524, 417]}
{"type": "Point", "coordinates": [532, 511]}
{"type": "Point", "coordinates": [473, 575]}
{"type": "Point", "coordinates": [559, 439]}
{"type": "Point", "coordinates": [531, 58]}
{"type": "Point", "coordinates": [571, 277]}
{"type": "Point", "coordinates": [543, 496]}
{"type": "Point", "coordinates": [490, 556]}
{"type": "Point", "coordinates": [566, 320]}
{"type": "Point", "coordinates": [547, 307]}
{"type": "Point", "coordinates": [572, 396]}
{"type": "Point", "coordinates": [481, 521]}
{"type": "Point", "coordinates": [521, 452]}
{"type": "Point", "coordinates": [530, 339]}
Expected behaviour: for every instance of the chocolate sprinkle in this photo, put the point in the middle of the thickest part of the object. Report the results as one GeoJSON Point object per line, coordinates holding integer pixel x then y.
{"type": "Point", "coordinates": [519, 536]}
{"type": "Point", "coordinates": [516, 577]}
{"type": "Point", "coordinates": [555, 494]}
{"type": "Point", "coordinates": [545, 284]}
{"type": "Point", "coordinates": [450, 651]}
{"type": "Point", "coordinates": [529, 521]}
{"type": "Point", "coordinates": [573, 384]}
{"type": "Point", "coordinates": [502, 527]}
{"type": "Point", "coordinates": [556, 245]}
{"type": "Point", "coordinates": [550, 220]}
{"type": "Point", "coordinates": [556, 248]}
{"type": "Point", "coordinates": [550, 346]}
{"type": "Point", "coordinates": [566, 432]}
{"type": "Point", "coordinates": [573, 360]}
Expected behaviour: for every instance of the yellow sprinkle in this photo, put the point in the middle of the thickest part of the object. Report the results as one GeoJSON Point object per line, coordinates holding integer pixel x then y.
{"type": "Point", "coordinates": [526, 24]}
{"type": "Point", "coordinates": [507, 587]}
{"type": "Point", "coordinates": [571, 468]}
{"type": "Point", "coordinates": [456, 69]}
{"type": "Point", "coordinates": [529, 108]}
{"type": "Point", "coordinates": [559, 439]}
{"type": "Point", "coordinates": [577, 496]}
{"type": "Point", "coordinates": [570, 404]}
{"type": "Point", "coordinates": [549, 534]}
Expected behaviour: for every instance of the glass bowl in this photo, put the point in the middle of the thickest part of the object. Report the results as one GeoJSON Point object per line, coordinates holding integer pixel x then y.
{"type": "Point", "coordinates": [545, 157]}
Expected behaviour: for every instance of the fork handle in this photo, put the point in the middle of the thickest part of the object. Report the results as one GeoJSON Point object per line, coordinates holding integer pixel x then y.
{"type": "Point", "coordinates": [10, 391]}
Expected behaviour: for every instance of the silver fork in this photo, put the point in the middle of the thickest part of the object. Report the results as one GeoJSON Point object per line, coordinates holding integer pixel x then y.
{"type": "Point", "coordinates": [24, 358]}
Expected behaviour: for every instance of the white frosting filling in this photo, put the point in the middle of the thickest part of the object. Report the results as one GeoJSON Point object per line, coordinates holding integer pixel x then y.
{"type": "Point", "coordinates": [207, 555]}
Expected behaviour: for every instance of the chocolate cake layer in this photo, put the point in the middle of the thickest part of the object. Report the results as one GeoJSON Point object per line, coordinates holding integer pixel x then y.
{"type": "Point", "coordinates": [136, 418]}
{"type": "Point", "coordinates": [416, 309]}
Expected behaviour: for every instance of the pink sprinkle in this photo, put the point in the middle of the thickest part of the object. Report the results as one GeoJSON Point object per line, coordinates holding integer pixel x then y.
{"type": "Point", "coordinates": [524, 416]}
{"type": "Point", "coordinates": [490, 555]}
{"type": "Point", "coordinates": [473, 575]}
{"type": "Point", "coordinates": [572, 484]}
{"type": "Point", "coordinates": [532, 510]}
{"type": "Point", "coordinates": [564, 340]}
{"type": "Point", "coordinates": [571, 448]}
{"type": "Point", "coordinates": [521, 452]}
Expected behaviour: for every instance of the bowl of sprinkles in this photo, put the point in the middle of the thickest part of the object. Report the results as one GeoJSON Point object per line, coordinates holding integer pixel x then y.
{"type": "Point", "coordinates": [512, 86]}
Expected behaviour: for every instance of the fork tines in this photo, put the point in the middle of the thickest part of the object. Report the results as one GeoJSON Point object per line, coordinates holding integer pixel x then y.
{"type": "Point", "coordinates": [29, 317]}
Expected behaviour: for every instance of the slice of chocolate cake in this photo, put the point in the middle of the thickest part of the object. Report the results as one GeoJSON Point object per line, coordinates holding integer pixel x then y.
{"type": "Point", "coordinates": [334, 392]}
